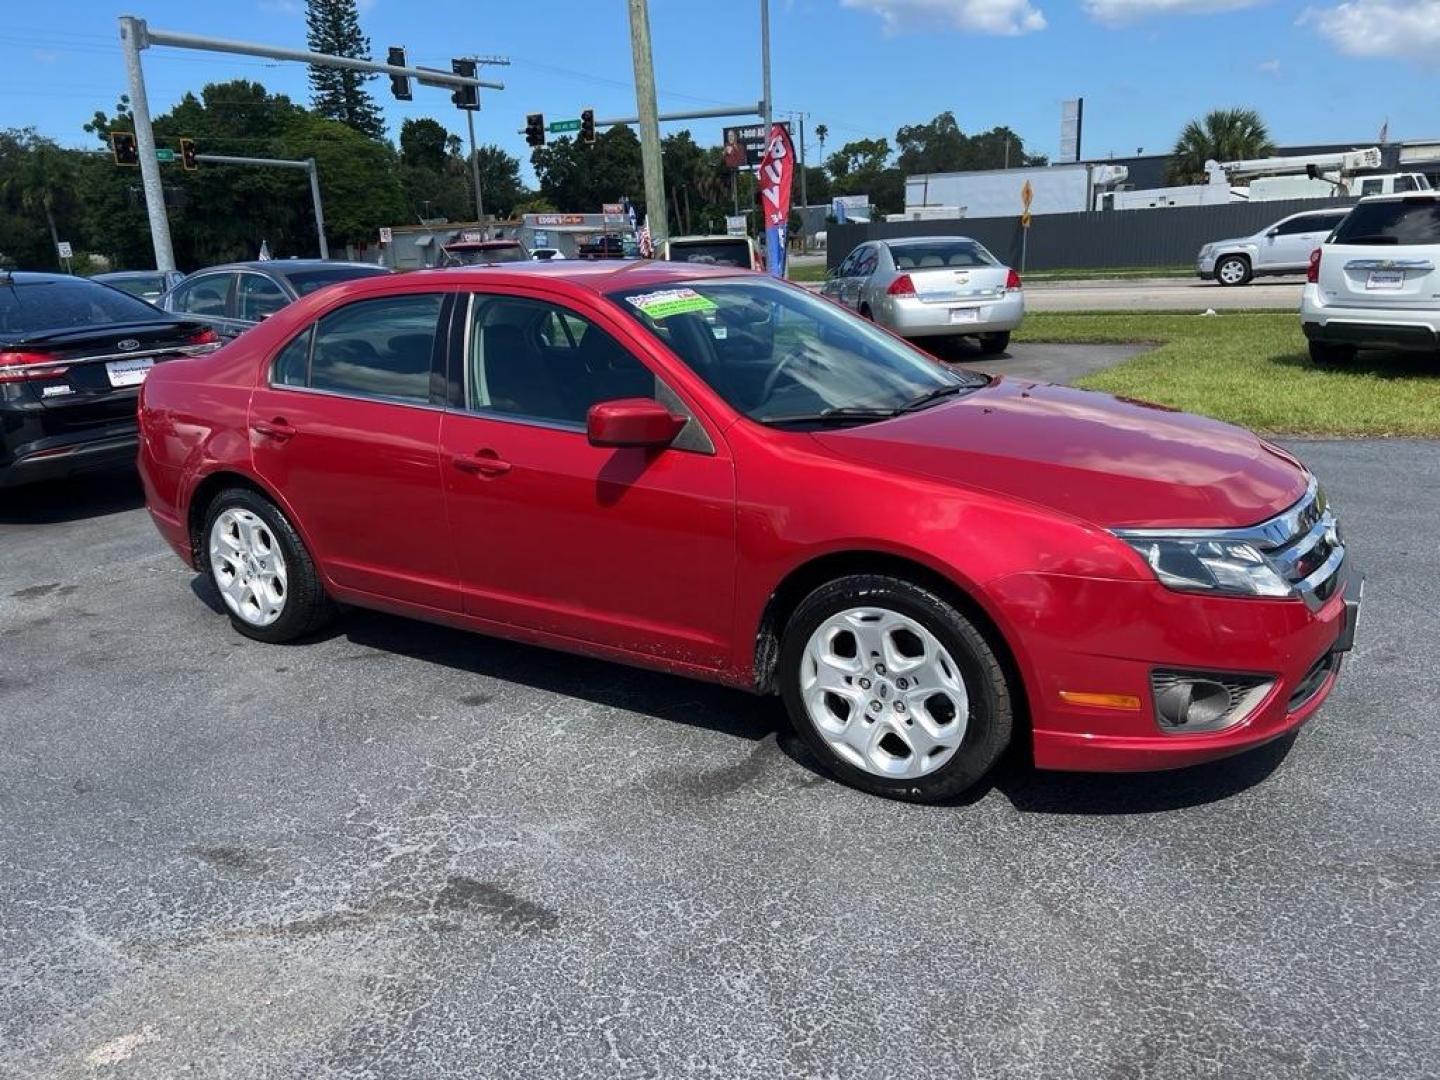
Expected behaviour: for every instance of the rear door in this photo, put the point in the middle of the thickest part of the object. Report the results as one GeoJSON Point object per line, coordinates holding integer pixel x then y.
{"type": "Point", "coordinates": [206, 298]}
{"type": "Point", "coordinates": [834, 286]}
{"type": "Point", "coordinates": [1385, 254]}
{"type": "Point", "coordinates": [346, 423]}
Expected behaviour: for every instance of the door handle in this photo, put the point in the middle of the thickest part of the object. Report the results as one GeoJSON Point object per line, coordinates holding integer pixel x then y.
{"type": "Point", "coordinates": [486, 463]}
{"type": "Point", "coordinates": [276, 429]}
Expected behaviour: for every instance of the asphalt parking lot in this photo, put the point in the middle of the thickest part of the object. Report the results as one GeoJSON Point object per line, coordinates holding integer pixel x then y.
{"type": "Point", "coordinates": [400, 851]}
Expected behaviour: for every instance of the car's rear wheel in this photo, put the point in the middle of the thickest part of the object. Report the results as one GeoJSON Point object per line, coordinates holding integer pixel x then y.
{"type": "Point", "coordinates": [994, 344]}
{"type": "Point", "coordinates": [894, 689]}
{"type": "Point", "coordinates": [1330, 353]}
{"type": "Point", "coordinates": [265, 577]}
{"type": "Point", "coordinates": [1233, 270]}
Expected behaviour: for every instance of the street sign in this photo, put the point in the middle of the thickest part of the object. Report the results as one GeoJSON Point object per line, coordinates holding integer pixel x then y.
{"type": "Point", "coordinates": [734, 224]}
{"type": "Point", "coordinates": [1025, 220]}
{"type": "Point", "coordinates": [63, 247]}
{"type": "Point", "coordinates": [1027, 196]}
{"type": "Point", "coordinates": [557, 126]}
{"type": "Point", "coordinates": [164, 156]}
{"type": "Point", "coordinates": [385, 234]}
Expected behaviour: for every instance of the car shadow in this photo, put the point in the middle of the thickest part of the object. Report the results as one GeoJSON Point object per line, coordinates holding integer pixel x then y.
{"type": "Point", "coordinates": [1381, 363]}
{"type": "Point", "coordinates": [88, 495]}
{"type": "Point", "coordinates": [680, 700]}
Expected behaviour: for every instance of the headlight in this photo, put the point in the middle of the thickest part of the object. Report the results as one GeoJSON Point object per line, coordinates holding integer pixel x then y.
{"type": "Point", "coordinates": [1229, 567]}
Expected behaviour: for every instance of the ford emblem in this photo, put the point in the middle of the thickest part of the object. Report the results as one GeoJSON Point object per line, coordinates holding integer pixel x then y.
{"type": "Point", "coordinates": [128, 344]}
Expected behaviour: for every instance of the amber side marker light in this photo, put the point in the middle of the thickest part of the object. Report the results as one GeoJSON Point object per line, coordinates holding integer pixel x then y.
{"type": "Point", "coordinates": [1128, 702]}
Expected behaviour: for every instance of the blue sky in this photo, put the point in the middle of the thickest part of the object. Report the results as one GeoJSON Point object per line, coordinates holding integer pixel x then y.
{"type": "Point", "coordinates": [1318, 71]}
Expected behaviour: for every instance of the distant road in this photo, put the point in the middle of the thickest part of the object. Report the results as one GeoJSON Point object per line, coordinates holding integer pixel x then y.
{"type": "Point", "coordinates": [1162, 294]}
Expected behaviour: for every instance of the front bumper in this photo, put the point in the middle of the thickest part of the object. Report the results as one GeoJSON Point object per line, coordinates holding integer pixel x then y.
{"type": "Point", "coordinates": [1205, 266]}
{"type": "Point", "coordinates": [1106, 637]}
{"type": "Point", "coordinates": [1412, 329]}
{"type": "Point", "coordinates": [912, 317]}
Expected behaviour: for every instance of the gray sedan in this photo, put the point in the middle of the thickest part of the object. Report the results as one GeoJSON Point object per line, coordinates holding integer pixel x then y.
{"type": "Point", "coordinates": [234, 297]}
{"type": "Point", "coordinates": [931, 286]}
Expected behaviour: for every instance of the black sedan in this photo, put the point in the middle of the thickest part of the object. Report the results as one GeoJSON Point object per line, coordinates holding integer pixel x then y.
{"type": "Point", "coordinates": [234, 297]}
{"type": "Point", "coordinates": [73, 354]}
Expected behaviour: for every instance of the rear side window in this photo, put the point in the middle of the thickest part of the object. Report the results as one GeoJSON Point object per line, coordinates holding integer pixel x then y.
{"type": "Point", "coordinates": [32, 306]}
{"type": "Point", "coordinates": [1411, 221]}
{"type": "Point", "coordinates": [377, 348]}
{"type": "Point", "coordinates": [964, 253]}
{"type": "Point", "coordinates": [292, 366]}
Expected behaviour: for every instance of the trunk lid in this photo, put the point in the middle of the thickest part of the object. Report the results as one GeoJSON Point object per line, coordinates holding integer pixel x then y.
{"type": "Point", "coordinates": [939, 286]}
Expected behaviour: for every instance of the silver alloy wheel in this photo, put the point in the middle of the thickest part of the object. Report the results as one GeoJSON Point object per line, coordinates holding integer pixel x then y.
{"type": "Point", "coordinates": [248, 566]}
{"type": "Point", "coordinates": [883, 693]}
{"type": "Point", "coordinates": [1232, 271]}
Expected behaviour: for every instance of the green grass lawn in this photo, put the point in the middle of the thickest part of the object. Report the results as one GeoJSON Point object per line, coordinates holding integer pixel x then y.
{"type": "Point", "coordinates": [1251, 368]}
{"type": "Point", "coordinates": [1120, 272]}
{"type": "Point", "coordinates": [805, 273]}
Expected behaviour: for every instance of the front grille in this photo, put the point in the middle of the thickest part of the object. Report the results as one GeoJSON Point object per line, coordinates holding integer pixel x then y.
{"type": "Point", "coordinates": [1304, 544]}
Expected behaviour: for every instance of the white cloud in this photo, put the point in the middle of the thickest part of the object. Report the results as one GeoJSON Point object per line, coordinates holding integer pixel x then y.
{"type": "Point", "coordinates": [1268, 67]}
{"type": "Point", "coordinates": [1003, 17]}
{"type": "Point", "coordinates": [1408, 28]}
{"type": "Point", "coordinates": [45, 56]}
{"type": "Point", "coordinates": [1125, 11]}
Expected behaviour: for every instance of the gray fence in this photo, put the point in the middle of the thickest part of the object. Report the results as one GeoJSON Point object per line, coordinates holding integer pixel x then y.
{"type": "Point", "coordinates": [1102, 239]}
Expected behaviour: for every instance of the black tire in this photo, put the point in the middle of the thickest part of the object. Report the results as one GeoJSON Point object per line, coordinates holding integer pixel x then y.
{"type": "Point", "coordinates": [307, 606]}
{"type": "Point", "coordinates": [991, 718]}
{"type": "Point", "coordinates": [1245, 270]}
{"type": "Point", "coordinates": [994, 344]}
{"type": "Point", "coordinates": [1330, 353]}
{"type": "Point", "coordinates": [865, 312]}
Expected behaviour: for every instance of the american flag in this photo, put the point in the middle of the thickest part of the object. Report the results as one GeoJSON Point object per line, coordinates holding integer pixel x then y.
{"type": "Point", "coordinates": [642, 235]}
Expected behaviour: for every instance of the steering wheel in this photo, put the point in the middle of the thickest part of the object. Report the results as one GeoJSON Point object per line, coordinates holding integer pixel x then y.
{"type": "Point", "coordinates": [794, 353]}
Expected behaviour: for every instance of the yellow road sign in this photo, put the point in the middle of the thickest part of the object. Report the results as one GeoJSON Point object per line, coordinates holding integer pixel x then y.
{"type": "Point", "coordinates": [1025, 220]}
{"type": "Point", "coordinates": [1027, 195]}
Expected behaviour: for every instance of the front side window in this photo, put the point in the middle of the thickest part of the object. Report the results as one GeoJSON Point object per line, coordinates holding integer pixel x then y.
{"type": "Point", "coordinates": [535, 360]}
{"type": "Point", "coordinates": [203, 296]}
{"type": "Point", "coordinates": [780, 355]}
{"type": "Point", "coordinates": [379, 348]}
{"type": "Point", "coordinates": [257, 297]}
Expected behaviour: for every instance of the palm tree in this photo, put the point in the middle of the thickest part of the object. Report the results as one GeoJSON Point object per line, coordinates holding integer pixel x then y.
{"type": "Point", "coordinates": [821, 131]}
{"type": "Point", "coordinates": [1223, 135]}
{"type": "Point", "coordinates": [45, 177]}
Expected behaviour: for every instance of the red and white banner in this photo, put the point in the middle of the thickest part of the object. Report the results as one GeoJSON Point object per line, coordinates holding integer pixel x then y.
{"type": "Point", "coordinates": [776, 174]}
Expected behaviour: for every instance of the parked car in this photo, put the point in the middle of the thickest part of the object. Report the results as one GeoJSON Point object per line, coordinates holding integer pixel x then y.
{"type": "Point", "coordinates": [146, 284]}
{"type": "Point", "coordinates": [1376, 282]}
{"type": "Point", "coordinates": [483, 252]}
{"type": "Point", "coordinates": [603, 247]}
{"type": "Point", "coordinates": [713, 251]}
{"type": "Point", "coordinates": [72, 356]}
{"type": "Point", "coordinates": [232, 298]}
{"type": "Point", "coordinates": [931, 286]}
{"type": "Point", "coordinates": [1281, 248]}
{"type": "Point", "coordinates": [925, 563]}
{"type": "Point", "coordinates": [546, 254]}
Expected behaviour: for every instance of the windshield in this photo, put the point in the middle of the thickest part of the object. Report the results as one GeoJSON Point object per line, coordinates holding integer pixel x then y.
{"type": "Point", "coordinates": [780, 355]}
{"type": "Point", "coordinates": [33, 306]}
{"type": "Point", "coordinates": [712, 252]}
{"type": "Point", "coordinates": [137, 284]}
{"type": "Point", "coordinates": [307, 281]}
{"type": "Point", "coordinates": [1403, 221]}
{"type": "Point", "coordinates": [927, 254]}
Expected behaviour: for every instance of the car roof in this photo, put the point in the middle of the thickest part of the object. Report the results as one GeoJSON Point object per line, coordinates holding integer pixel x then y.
{"type": "Point", "coordinates": [709, 237]}
{"type": "Point", "coordinates": [112, 275]}
{"type": "Point", "coordinates": [38, 277]}
{"type": "Point", "coordinates": [596, 277]}
{"type": "Point", "coordinates": [1404, 196]}
{"type": "Point", "coordinates": [902, 241]}
{"type": "Point", "coordinates": [283, 266]}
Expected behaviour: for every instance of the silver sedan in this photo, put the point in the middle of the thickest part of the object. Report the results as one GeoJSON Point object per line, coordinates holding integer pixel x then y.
{"type": "Point", "coordinates": [931, 286]}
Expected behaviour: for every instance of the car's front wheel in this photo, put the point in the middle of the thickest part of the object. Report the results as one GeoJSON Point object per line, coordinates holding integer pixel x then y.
{"type": "Point", "coordinates": [264, 575]}
{"type": "Point", "coordinates": [1233, 270]}
{"type": "Point", "coordinates": [1330, 353]}
{"type": "Point", "coordinates": [894, 689]}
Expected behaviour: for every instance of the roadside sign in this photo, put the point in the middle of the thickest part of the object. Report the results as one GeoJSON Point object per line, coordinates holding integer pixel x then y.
{"type": "Point", "coordinates": [557, 126]}
{"type": "Point", "coordinates": [165, 156]}
{"type": "Point", "coordinates": [63, 247]}
{"type": "Point", "coordinates": [385, 234]}
{"type": "Point", "coordinates": [1025, 220]}
{"type": "Point", "coordinates": [735, 225]}
{"type": "Point", "coordinates": [1027, 196]}
{"type": "Point", "coordinates": [559, 219]}
{"type": "Point", "coordinates": [744, 146]}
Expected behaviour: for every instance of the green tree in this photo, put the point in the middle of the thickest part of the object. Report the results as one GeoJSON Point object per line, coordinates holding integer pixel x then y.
{"type": "Point", "coordinates": [39, 181]}
{"type": "Point", "coordinates": [333, 26]}
{"type": "Point", "coordinates": [940, 146]}
{"type": "Point", "coordinates": [425, 143]}
{"type": "Point", "coordinates": [1220, 135]}
{"type": "Point", "coordinates": [500, 183]}
{"type": "Point", "coordinates": [580, 178]}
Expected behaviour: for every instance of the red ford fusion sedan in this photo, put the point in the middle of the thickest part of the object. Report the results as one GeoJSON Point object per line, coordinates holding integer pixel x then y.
{"type": "Point", "coordinates": [717, 474]}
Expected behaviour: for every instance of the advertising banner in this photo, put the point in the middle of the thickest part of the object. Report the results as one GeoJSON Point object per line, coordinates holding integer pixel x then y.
{"type": "Point", "coordinates": [777, 171]}
{"type": "Point", "coordinates": [745, 145]}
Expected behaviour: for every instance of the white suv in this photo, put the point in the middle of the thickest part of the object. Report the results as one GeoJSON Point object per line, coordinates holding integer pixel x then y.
{"type": "Point", "coordinates": [1283, 248]}
{"type": "Point", "coordinates": [1376, 282]}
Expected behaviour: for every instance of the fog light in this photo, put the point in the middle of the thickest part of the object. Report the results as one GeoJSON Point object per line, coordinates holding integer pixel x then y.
{"type": "Point", "coordinates": [1192, 701]}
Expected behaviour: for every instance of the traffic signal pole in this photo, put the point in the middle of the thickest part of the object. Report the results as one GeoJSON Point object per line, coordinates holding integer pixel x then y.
{"type": "Point", "coordinates": [308, 164]}
{"type": "Point", "coordinates": [132, 40]}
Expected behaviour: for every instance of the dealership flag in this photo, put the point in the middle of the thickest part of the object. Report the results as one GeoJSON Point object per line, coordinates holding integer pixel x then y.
{"type": "Point", "coordinates": [777, 170]}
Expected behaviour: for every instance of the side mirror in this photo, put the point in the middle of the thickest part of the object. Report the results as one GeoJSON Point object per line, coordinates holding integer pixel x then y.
{"type": "Point", "coordinates": [1273, 233]}
{"type": "Point", "coordinates": [632, 422]}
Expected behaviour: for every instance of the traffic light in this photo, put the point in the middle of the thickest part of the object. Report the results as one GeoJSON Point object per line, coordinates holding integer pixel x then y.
{"type": "Point", "coordinates": [123, 148]}
{"type": "Point", "coordinates": [187, 155]}
{"type": "Point", "coordinates": [399, 84]}
{"type": "Point", "coordinates": [587, 127]}
{"type": "Point", "coordinates": [534, 129]}
{"type": "Point", "coordinates": [465, 97]}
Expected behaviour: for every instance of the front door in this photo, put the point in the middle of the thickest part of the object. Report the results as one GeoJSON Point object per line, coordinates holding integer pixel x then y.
{"type": "Point", "coordinates": [628, 548]}
{"type": "Point", "coordinates": [206, 298]}
{"type": "Point", "coordinates": [346, 429]}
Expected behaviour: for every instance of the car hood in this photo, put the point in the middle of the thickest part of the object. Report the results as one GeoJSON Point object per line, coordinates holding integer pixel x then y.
{"type": "Point", "coordinates": [1110, 461]}
{"type": "Point", "coordinates": [1234, 241]}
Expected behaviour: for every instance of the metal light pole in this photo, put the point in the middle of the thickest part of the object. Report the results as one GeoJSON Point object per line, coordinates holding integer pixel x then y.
{"type": "Point", "coordinates": [132, 39]}
{"type": "Point", "coordinates": [649, 114]}
{"type": "Point", "coordinates": [766, 105]}
{"type": "Point", "coordinates": [319, 212]}
{"type": "Point", "coordinates": [475, 168]}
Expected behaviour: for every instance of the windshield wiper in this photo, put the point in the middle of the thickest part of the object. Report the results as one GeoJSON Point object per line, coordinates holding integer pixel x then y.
{"type": "Point", "coordinates": [846, 414]}
{"type": "Point", "coordinates": [930, 397]}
